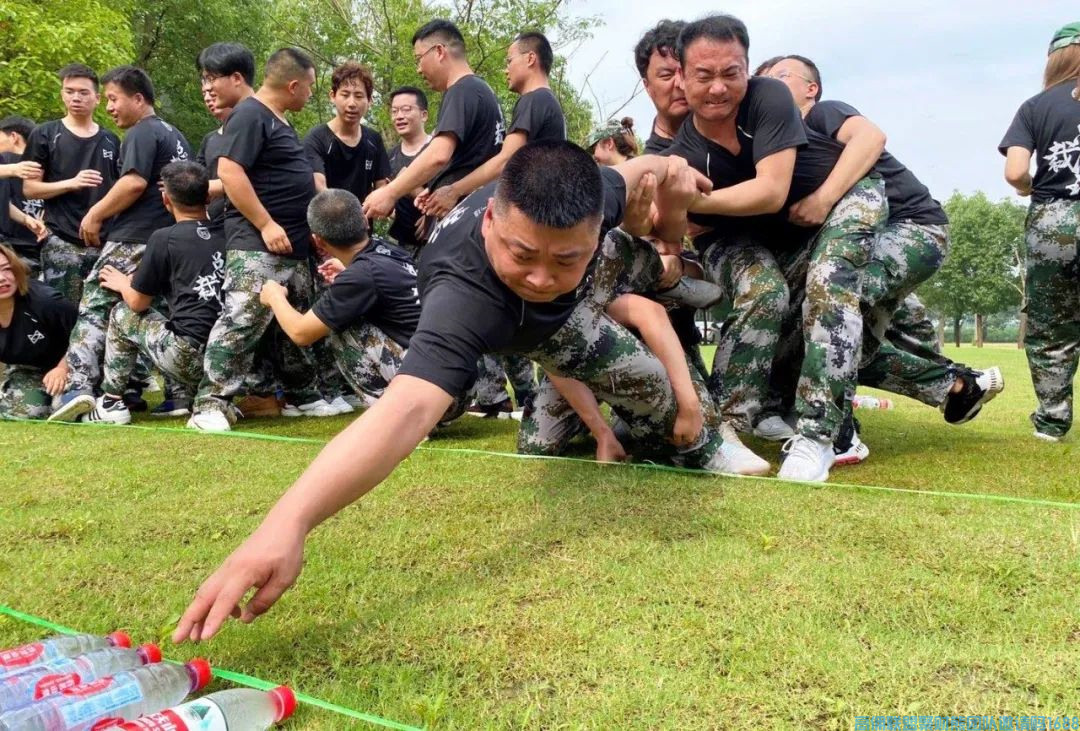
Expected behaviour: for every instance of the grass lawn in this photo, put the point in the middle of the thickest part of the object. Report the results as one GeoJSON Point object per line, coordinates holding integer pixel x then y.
{"type": "Point", "coordinates": [474, 591]}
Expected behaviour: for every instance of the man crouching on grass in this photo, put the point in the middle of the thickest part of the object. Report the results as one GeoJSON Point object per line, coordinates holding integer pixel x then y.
{"type": "Point", "coordinates": [504, 272]}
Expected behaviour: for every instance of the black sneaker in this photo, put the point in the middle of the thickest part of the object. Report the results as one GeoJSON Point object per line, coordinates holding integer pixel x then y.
{"type": "Point", "coordinates": [501, 410]}
{"type": "Point", "coordinates": [979, 387]}
{"type": "Point", "coordinates": [134, 402]}
{"type": "Point", "coordinates": [172, 407]}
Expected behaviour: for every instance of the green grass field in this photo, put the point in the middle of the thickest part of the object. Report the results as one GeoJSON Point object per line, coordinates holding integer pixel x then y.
{"type": "Point", "coordinates": [475, 591]}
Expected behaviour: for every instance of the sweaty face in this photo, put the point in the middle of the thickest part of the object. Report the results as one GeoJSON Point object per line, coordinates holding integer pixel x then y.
{"type": "Point", "coordinates": [407, 115]}
{"type": "Point", "coordinates": [715, 77]}
{"type": "Point", "coordinates": [125, 110]}
{"type": "Point", "coordinates": [351, 101]}
{"type": "Point", "coordinates": [79, 95]}
{"type": "Point", "coordinates": [517, 68]}
{"type": "Point", "coordinates": [796, 77]}
{"type": "Point", "coordinates": [663, 84]}
{"type": "Point", "coordinates": [7, 278]}
{"type": "Point", "coordinates": [537, 263]}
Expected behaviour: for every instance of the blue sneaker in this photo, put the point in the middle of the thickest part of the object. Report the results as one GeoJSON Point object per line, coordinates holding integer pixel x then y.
{"type": "Point", "coordinates": [73, 404]}
{"type": "Point", "coordinates": [172, 407]}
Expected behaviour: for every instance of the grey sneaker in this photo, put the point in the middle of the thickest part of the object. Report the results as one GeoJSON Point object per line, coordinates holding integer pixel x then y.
{"type": "Point", "coordinates": [696, 293]}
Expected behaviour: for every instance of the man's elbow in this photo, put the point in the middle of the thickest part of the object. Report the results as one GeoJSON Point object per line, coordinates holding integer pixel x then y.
{"type": "Point", "coordinates": [1015, 176]}
{"type": "Point", "coordinates": [775, 199]}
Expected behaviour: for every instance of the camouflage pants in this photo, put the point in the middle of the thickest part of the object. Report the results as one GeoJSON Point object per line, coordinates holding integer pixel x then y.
{"type": "Point", "coordinates": [832, 323]}
{"type": "Point", "coordinates": [592, 348]}
{"type": "Point", "coordinates": [22, 395]}
{"type": "Point", "coordinates": [86, 348]}
{"type": "Point", "coordinates": [1052, 279]}
{"type": "Point", "coordinates": [912, 330]}
{"type": "Point", "coordinates": [230, 350]}
{"type": "Point", "coordinates": [493, 372]}
{"type": "Point", "coordinates": [65, 266]}
{"type": "Point", "coordinates": [146, 334]}
{"type": "Point", "coordinates": [367, 357]}
{"type": "Point", "coordinates": [755, 286]}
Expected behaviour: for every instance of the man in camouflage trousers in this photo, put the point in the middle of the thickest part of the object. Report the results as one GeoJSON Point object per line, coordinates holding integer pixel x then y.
{"type": "Point", "coordinates": [22, 395]}
{"type": "Point", "coordinates": [1052, 342]}
{"type": "Point", "coordinates": [492, 375]}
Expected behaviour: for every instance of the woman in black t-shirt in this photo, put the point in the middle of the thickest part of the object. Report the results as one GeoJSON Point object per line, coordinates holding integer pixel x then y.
{"type": "Point", "coordinates": [35, 324]}
{"type": "Point", "coordinates": [1048, 126]}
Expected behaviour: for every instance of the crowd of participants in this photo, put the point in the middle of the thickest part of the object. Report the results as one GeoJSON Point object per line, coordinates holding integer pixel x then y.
{"type": "Point", "coordinates": [517, 267]}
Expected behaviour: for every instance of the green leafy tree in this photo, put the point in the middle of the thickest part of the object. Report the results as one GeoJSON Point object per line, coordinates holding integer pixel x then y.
{"type": "Point", "coordinates": [979, 276]}
{"type": "Point", "coordinates": [38, 38]}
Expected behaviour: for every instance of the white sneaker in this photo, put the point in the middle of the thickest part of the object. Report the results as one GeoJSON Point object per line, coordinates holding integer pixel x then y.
{"type": "Point", "coordinates": [355, 401]}
{"type": "Point", "coordinates": [773, 429]}
{"type": "Point", "coordinates": [739, 458]}
{"type": "Point", "coordinates": [117, 413]}
{"type": "Point", "coordinates": [1045, 437]}
{"type": "Point", "coordinates": [209, 421]}
{"type": "Point", "coordinates": [341, 406]}
{"type": "Point", "coordinates": [315, 408]}
{"type": "Point", "coordinates": [806, 459]}
{"type": "Point", "coordinates": [854, 454]}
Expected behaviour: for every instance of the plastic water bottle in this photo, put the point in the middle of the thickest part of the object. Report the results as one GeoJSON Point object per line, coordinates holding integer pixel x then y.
{"type": "Point", "coordinates": [112, 700]}
{"type": "Point", "coordinates": [18, 659]}
{"type": "Point", "coordinates": [227, 710]}
{"type": "Point", "coordinates": [42, 681]}
{"type": "Point", "coordinates": [871, 402]}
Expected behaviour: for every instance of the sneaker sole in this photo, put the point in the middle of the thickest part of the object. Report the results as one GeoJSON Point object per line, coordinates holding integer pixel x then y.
{"type": "Point", "coordinates": [174, 412]}
{"type": "Point", "coordinates": [118, 422]}
{"type": "Point", "coordinates": [72, 410]}
{"type": "Point", "coordinates": [850, 460]}
{"type": "Point", "coordinates": [192, 425]}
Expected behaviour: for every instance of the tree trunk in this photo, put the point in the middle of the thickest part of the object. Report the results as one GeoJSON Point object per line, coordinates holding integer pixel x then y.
{"type": "Point", "coordinates": [1023, 331]}
{"type": "Point", "coordinates": [956, 324]}
{"type": "Point", "coordinates": [978, 337]}
{"type": "Point", "coordinates": [941, 333]}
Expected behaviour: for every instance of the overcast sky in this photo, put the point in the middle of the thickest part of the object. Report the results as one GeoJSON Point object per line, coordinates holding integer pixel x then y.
{"type": "Point", "coordinates": [943, 79]}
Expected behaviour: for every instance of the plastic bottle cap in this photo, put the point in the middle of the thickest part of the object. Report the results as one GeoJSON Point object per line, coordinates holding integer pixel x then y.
{"type": "Point", "coordinates": [150, 653]}
{"type": "Point", "coordinates": [119, 639]}
{"type": "Point", "coordinates": [200, 670]}
{"type": "Point", "coordinates": [284, 701]}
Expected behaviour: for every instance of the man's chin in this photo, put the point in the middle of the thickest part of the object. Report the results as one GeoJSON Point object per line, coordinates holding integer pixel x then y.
{"type": "Point", "coordinates": [535, 297]}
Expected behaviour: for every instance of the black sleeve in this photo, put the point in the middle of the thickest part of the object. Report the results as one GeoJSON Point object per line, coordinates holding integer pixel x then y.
{"type": "Point", "coordinates": [314, 146]}
{"type": "Point", "coordinates": [614, 198]}
{"type": "Point", "coordinates": [446, 345]}
{"type": "Point", "coordinates": [774, 120]}
{"type": "Point", "coordinates": [37, 150]}
{"type": "Point", "coordinates": [829, 116]}
{"type": "Point", "coordinates": [152, 276]}
{"type": "Point", "coordinates": [349, 298]}
{"type": "Point", "coordinates": [527, 116]}
{"type": "Point", "coordinates": [1020, 132]}
{"type": "Point", "coordinates": [243, 137]}
{"type": "Point", "coordinates": [382, 160]}
{"type": "Point", "coordinates": [58, 313]}
{"type": "Point", "coordinates": [200, 156]}
{"type": "Point", "coordinates": [138, 153]}
{"type": "Point", "coordinates": [457, 113]}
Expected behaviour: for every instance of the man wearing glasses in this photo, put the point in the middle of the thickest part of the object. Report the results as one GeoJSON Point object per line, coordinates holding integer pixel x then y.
{"type": "Point", "coordinates": [409, 113]}
{"type": "Point", "coordinates": [469, 129]}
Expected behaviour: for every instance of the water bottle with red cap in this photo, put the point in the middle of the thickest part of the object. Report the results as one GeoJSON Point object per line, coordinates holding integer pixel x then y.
{"type": "Point", "coordinates": [112, 700]}
{"type": "Point", "coordinates": [241, 709]}
{"type": "Point", "coordinates": [42, 681]}
{"type": "Point", "coordinates": [17, 659]}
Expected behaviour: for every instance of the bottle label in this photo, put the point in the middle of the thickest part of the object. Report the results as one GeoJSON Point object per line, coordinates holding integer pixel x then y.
{"type": "Point", "coordinates": [21, 657]}
{"type": "Point", "coordinates": [56, 683]}
{"type": "Point", "coordinates": [109, 697]}
{"type": "Point", "coordinates": [88, 689]}
{"type": "Point", "coordinates": [201, 715]}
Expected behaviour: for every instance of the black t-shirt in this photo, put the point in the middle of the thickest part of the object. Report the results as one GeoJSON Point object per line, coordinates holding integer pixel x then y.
{"type": "Point", "coordinates": [1049, 124]}
{"type": "Point", "coordinates": [11, 191]}
{"type": "Point", "coordinates": [378, 287]}
{"type": "Point", "coordinates": [406, 214]}
{"type": "Point", "coordinates": [39, 330]}
{"type": "Point", "coordinates": [270, 152]}
{"type": "Point", "coordinates": [147, 147]}
{"type": "Point", "coordinates": [207, 156]}
{"type": "Point", "coordinates": [466, 310]}
{"type": "Point", "coordinates": [470, 111]}
{"type": "Point", "coordinates": [657, 144]}
{"type": "Point", "coordinates": [539, 115]}
{"type": "Point", "coordinates": [355, 169]}
{"type": "Point", "coordinates": [62, 155]}
{"type": "Point", "coordinates": [185, 264]}
{"type": "Point", "coordinates": [909, 199]}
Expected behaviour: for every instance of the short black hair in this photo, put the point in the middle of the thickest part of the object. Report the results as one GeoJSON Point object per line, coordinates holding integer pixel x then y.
{"type": "Point", "coordinates": [78, 71]}
{"type": "Point", "coordinates": [553, 183]}
{"type": "Point", "coordinates": [18, 125]}
{"type": "Point", "coordinates": [815, 74]}
{"type": "Point", "coordinates": [226, 59]}
{"type": "Point", "coordinates": [764, 66]}
{"type": "Point", "coordinates": [445, 31]}
{"type": "Point", "coordinates": [187, 183]}
{"type": "Point", "coordinates": [661, 38]}
{"type": "Point", "coordinates": [337, 217]}
{"type": "Point", "coordinates": [132, 80]}
{"type": "Point", "coordinates": [720, 28]}
{"type": "Point", "coordinates": [421, 97]}
{"type": "Point", "coordinates": [537, 43]}
{"type": "Point", "coordinates": [287, 64]}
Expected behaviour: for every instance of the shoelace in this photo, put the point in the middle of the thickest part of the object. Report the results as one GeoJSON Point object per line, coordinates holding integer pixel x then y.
{"type": "Point", "coordinates": [800, 447]}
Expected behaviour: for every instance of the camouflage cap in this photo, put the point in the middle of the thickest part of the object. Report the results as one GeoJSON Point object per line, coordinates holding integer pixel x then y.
{"type": "Point", "coordinates": [1066, 35]}
{"type": "Point", "coordinates": [611, 128]}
